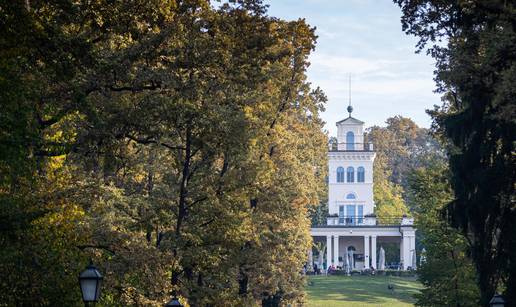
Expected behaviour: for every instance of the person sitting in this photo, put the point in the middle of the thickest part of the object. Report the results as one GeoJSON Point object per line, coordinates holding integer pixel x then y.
{"type": "Point", "coordinates": [330, 269]}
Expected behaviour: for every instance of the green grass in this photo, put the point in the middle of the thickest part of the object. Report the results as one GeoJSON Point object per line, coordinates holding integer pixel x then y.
{"type": "Point", "coordinates": [329, 291]}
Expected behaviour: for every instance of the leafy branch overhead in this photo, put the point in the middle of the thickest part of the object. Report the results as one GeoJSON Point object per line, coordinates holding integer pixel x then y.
{"type": "Point", "coordinates": [157, 123]}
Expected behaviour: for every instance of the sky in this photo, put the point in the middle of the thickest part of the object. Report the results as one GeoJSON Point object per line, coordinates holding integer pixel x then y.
{"type": "Point", "coordinates": [363, 38]}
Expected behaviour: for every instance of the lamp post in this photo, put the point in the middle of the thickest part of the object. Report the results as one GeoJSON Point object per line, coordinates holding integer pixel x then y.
{"type": "Point", "coordinates": [90, 280]}
{"type": "Point", "coordinates": [497, 301]}
{"type": "Point", "coordinates": [174, 302]}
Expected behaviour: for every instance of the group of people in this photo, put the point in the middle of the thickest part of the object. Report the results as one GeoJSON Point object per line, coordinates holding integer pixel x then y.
{"type": "Point", "coordinates": [331, 269]}
{"type": "Point", "coordinates": [316, 269]}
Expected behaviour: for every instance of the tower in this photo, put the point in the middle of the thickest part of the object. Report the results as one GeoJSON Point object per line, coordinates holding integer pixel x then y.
{"type": "Point", "coordinates": [351, 173]}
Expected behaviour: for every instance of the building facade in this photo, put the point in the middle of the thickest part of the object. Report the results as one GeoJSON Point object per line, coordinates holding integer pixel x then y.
{"type": "Point", "coordinates": [352, 233]}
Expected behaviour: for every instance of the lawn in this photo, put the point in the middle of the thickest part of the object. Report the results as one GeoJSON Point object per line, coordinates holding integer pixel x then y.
{"type": "Point", "coordinates": [329, 291]}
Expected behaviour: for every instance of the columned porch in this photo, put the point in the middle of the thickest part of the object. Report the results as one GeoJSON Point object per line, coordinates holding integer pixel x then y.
{"type": "Point", "coordinates": [357, 247]}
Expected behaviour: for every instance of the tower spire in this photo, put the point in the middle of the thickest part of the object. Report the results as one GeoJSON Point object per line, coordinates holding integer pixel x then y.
{"type": "Point", "coordinates": [350, 108]}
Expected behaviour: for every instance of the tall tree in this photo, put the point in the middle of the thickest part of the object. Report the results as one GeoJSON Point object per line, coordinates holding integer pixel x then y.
{"type": "Point", "coordinates": [473, 43]}
{"type": "Point", "coordinates": [401, 146]}
{"type": "Point", "coordinates": [447, 274]}
{"type": "Point", "coordinates": [182, 141]}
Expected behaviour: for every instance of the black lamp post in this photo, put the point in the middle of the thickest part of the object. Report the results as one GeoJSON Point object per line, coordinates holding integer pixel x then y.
{"type": "Point", "coordinates": [174, 302]}
{"type": "Point", "coordinates": [497, 301]}
{"type": "Point", "coordinates": [90, 280]}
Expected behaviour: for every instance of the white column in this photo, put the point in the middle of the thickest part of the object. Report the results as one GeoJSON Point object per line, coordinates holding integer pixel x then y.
{"type": "Point", "coordinates": [406, 251]}
{"type": "Point", "coordinates": [336, 250]}
{"type": "Point", "coordinates": [366, 252]}
{"type": "Point", "coordinates": [328, 251]}
{"type": "Point", "coordinates": [401, 249]}
{"type": "Point", "coordinates": [412, 240]}
{"type": "Point", "coordinates": [373, 252]}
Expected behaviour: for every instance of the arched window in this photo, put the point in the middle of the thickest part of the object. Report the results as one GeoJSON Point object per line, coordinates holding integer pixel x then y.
{"type": "Point", "coordinates": [351, 196]}
{"type": "Point", "coordinates": [350, 141]}
{"type": "Point", "coordinates": [351, 174]}
{"type": "Point", "coordinates": [360, 174]}
{"type": "Point", "coordinates": [340, 174]}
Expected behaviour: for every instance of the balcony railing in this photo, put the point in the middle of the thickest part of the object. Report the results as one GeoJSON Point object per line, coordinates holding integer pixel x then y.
{"type": "Point", "coordinates": [351, 147]}
{"type": "Point", "coordinates": [369, 221]}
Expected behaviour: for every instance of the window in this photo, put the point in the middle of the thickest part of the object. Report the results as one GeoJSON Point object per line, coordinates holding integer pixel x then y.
{"type": "Point", "coordinates": [360, 174]}
{"type": "Point", "coordinates": [341, 214]}
{"type": "Point", "coordinates": [360, 214]}
{"type": "Point", "coordinates": [350, 214]}
{"type": "Point", "coordinates": [340, 174]}
{"type": "Point", "coordinates": [350, 141]}
{"type": "Point", "coordinates": [351, 196]}
{"type": "Point", "coordinates": [351, 174]}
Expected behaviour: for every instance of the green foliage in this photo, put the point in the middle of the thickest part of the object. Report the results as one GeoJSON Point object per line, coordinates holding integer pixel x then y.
{"type": "Point", "coordinates": [177, 144]}
{"type": "Point", "coordinates": [448, 275]}
{"type": "Point", "coordinates": [473, 45]}
{"type": "Point", "coordinates": [390, 206]}
{"type": "Point", "coordinates": [401, 146]}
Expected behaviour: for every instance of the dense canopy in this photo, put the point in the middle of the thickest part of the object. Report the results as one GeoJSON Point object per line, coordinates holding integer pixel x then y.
{"type": "Point", "coordinates": [176, 143]}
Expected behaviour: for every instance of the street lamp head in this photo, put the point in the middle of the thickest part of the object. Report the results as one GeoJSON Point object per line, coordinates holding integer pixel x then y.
{"type": "Point", "coordinates": [174, 302]}
{"type": "Point", "coordinates": [497, 301]}
{"type": "Point", "coordinates": [90, 280]}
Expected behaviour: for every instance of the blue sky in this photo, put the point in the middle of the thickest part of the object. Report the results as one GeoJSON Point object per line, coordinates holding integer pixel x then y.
{"type": "Point", "coordinates": [364, 38]}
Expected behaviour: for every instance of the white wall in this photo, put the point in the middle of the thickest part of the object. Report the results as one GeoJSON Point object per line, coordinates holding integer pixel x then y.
{"type": "Point", "coordinates": [363, 190]}
{"type": "Point", "coordinates": [358, 131]}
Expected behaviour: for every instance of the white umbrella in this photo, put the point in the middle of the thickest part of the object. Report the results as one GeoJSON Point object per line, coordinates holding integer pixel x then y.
{"type": "Point", "coordinates": [320, 259]}
{"type": "Point", "coordinates": [381, 260]}
{"type": "Point", "coordinates": [414, 259]}
{"type": "Point", "coordinates": [347, 263]}
{"type": "Point", "coordinates": [422, 259]}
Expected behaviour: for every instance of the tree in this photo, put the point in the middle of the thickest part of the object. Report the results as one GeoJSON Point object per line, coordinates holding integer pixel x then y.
{"type": "Point", "coordinates": [473, 44]}
{"type": "Point", "coordinates": [448, 275]}
{"type": "Point", "coordinates": [186, 143]}
{"type": "Point", "coordinates": [319, 212]}
{"type": "Point", "coordinates": [390, 206]}
{"type": "Point", "coordinates": [401, 147]}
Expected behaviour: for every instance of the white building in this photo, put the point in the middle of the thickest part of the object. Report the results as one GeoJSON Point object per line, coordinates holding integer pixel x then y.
{"type": "Point", "coordinates": [352, 231]}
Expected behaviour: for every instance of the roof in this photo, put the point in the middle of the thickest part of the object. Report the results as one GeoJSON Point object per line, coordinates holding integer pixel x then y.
{"type": "Point", "coordinates": [350, 121]}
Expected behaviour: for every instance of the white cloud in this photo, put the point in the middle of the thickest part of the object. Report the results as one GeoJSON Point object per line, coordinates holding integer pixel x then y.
{"type": "Point", "coordinates": [364, 38]}
{"type": "Point", "coordinates": [345, 65]}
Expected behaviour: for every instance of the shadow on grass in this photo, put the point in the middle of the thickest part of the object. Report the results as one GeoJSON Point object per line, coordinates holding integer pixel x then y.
{"type": "Point", "coordinates": [367, 289]}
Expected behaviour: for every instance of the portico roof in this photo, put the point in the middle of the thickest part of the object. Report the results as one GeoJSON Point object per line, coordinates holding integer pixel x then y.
{"type": "Point", "coordinates": [358, 227]}
{"type": "Point", "coordinates": [350, 121]}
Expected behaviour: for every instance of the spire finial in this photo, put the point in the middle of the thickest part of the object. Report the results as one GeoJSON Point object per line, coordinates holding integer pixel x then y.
{"type": "Point", "coordinates": [350, 108]}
